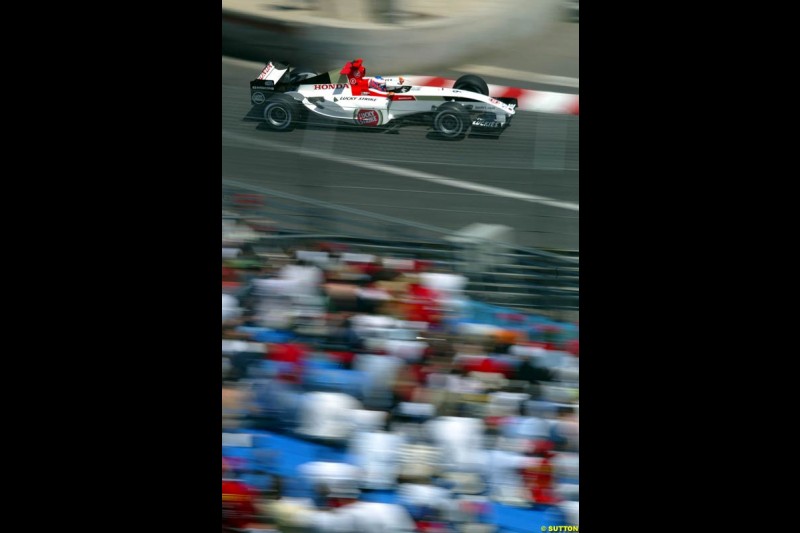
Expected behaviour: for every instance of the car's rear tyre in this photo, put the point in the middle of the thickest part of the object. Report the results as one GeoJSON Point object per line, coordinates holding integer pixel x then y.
{"type": "Point", "coordinates": [451, 121]}
{"type": "Point", "coordinates": [472, 83]}
{"type": "Point", "coordinates": [281, 112]}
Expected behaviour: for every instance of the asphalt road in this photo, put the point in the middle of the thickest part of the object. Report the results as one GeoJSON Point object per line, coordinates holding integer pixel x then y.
{"type": "Point", "coordinates": [537, 155]}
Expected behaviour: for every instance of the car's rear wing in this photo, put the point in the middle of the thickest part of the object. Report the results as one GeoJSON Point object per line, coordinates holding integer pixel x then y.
{"type": "Point", "coordinates": [277, 77]}
{"type": "Point", "coordinates": [277, 73]}
{"type": "Point", "coordinates": [270, 76]}
{"type": "Point", "coordinates": [274, 71]}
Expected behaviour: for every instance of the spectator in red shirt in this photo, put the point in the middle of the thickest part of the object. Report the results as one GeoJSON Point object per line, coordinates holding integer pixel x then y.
{"type": "Point", "coordinates": [238, 504]}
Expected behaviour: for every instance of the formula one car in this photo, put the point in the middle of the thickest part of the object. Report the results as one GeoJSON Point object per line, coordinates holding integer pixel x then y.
{"type": "Point", "coordinates": [288, 95]}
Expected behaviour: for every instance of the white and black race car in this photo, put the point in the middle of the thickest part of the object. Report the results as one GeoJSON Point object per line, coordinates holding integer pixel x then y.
{"type": "Point", "coordinates": [286, 96]}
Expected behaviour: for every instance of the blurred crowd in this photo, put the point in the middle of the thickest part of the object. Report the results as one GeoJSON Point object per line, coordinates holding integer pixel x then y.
{"type": "Point", "coordinates": [374, 359]}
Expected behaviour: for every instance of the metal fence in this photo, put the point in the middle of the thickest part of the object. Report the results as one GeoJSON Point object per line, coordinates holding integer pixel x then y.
{"type": "Point", "coordinates": [508, 275]}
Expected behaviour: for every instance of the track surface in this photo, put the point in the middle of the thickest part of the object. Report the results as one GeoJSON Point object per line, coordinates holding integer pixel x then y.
{"type": "Point", "coordinates": [536, 156]}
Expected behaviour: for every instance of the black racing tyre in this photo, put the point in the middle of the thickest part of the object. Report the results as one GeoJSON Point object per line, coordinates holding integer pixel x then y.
{"type": "Point", "coordinates": [281, 112]}
{"type": "Point", "coordinates": [451, 121]}
{"type": "Point", "coordinates": [470, 82]}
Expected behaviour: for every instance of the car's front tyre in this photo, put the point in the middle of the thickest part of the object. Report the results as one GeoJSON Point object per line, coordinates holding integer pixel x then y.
{"type": "Point", "coordinates": [472, 83]}
{"type": "Point", "coordinates": [451, 121]}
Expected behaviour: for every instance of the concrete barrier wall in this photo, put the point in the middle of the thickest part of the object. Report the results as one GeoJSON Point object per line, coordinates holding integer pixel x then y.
{"type": "Point", "coordinates": [408, 47]}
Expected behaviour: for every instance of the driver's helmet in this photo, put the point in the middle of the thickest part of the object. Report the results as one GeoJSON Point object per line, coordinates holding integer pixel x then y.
{"type": "Point", "coordinates": [377, 83]}
{"type": "Point", "coordinates": [394, 83]}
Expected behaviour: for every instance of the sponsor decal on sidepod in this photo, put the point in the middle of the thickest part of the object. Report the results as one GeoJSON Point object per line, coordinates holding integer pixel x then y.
{"type": "Point", "coordinates": [367, 117]}
{"type": "Point", "coordinates": [356, 98]}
